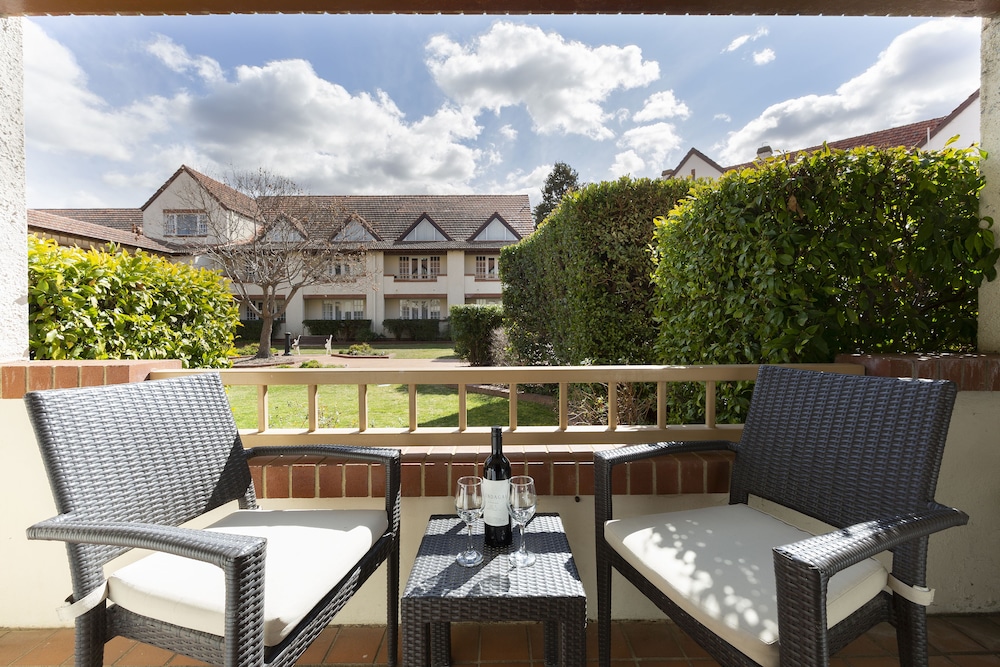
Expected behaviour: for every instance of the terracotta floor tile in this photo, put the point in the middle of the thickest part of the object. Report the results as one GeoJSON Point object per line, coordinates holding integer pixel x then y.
{"type": "Point", "coordinates": [980, 628]}
{"type": "Point", "coordinates": [14, 644]}
{"type": "Point", "coordinates": [184, 661]}
{"type": "Point", "coordinates": [946, 638]}
{"type": "Point", "coordinates": [874, 662]}
{"type": "Point", "coordinates": [503, 642]}
{"type": "Point", "coordinates": [144, 655]}
{"type": "Point", "coordinates": [652, 640]}
{"type": "Point", "coordinates": [464, 643]}
{"type": "Point", "coordinates": [976, 660]}
{"type": "Point", "coordinates": [316, 653]}
{"type": "Point", "coordinates": [864, 646]}
{"type": "Point", "coordinates": [56, 649]}
{"type": "Point", "coordinates": [356, 644]}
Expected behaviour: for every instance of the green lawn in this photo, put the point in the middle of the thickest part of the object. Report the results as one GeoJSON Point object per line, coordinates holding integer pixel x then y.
{"type": "Point", "coordinates": [435, 350]}
{"type": "Point", "coordinates": [437, 405]}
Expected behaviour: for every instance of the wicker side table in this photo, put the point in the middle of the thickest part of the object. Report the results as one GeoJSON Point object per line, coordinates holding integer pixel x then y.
{"type": "Point", "coordinates": [440, 591]}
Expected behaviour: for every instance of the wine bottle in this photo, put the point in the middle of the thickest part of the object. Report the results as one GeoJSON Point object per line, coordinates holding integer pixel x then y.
{"type": "Point", "coordinates": [496, 482]}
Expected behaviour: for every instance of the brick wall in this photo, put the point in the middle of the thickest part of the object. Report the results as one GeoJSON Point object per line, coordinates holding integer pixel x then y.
{"type": "Point", "coordinates": [971, 372]}
{"type": "Point", "coordinates": [20, 377]}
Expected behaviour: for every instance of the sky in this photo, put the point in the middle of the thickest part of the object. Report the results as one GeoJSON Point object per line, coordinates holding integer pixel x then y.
{"type": "Point", "coordinates": [363, 104]}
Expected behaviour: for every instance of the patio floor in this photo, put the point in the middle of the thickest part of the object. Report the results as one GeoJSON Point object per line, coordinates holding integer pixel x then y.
{"type": "Point", "coordinates": [963, 641]}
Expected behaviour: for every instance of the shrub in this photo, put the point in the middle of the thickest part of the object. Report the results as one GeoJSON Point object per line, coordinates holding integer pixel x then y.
{"type": "Point", "coordinates": [796, 260]}
{"type": "Point", "coordinates": [472, 330]}
{"type": "Point", "coordinates": [341, 330]}
{"type": "Point", "coordinates": [249, 331]}
{"type": "Point", "coordinates": [115, 305]}
{"type": "Point", "coordinates": [413, 329]}
{"type": "Point", "coordinates": [578, 290]}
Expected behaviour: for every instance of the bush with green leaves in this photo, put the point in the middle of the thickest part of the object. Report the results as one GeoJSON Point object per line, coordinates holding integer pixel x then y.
{"type": "Point", "coordinates": [472, 328]}
{"type": "Point", "coordinates": [341, 330]}
{"type": "Point", "coordinates": [413, 329]}
{"type": "Point", "coordinates": [798, 259]}
{"type": "Point", "coordinates": [90, 304]}
{"type": "Point", "coordinates": [578, 290]}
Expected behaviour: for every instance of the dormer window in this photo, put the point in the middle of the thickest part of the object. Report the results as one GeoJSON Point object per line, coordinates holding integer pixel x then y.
{"type": "Point", "coordinates": [353, 232]}
{"type": "Point", "coordinates": [185, 223]}
{"type": "Point", "coordinates": [425, 230]}
{"type": "Point", "coordinates": [495, 230]}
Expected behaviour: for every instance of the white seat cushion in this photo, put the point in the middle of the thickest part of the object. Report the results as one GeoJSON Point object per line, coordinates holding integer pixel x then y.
{"type": "Point", "coordinates": [307, 553]}
{"type": "Point", "coordinates": [716, 563]}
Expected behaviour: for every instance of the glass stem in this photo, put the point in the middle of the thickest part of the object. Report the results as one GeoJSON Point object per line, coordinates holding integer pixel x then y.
{"type": "Point", "coordinates": [521, 550]}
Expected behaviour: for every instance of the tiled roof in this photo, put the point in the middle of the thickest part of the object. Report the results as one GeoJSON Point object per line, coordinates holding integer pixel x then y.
{"type": "Point", "coordinates": [47, 222]}
{"type": "Point", "coordinates": [126, 219]}
{"type": "Point", "coordinates": [227, 197]}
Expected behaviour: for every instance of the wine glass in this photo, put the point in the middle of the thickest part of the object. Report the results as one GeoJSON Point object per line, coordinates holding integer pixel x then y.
{"type": "Point", "coordinates": [522, 507]}
{"type": "Point", "coordinates": [469, 505]}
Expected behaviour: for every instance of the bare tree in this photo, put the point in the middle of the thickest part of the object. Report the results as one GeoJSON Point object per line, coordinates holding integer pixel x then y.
{"type": "Point", "coordinates": [271, 240]}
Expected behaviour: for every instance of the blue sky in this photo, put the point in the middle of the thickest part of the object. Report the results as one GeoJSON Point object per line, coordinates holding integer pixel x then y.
{"type": "Point", "coordinates": [460, 104]}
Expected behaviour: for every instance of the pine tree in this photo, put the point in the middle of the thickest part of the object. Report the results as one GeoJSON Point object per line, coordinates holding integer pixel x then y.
{"type": "Point", "coordinates": [560, 180]}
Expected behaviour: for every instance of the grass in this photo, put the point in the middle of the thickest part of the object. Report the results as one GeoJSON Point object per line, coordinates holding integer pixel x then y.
{"type": "Point", "coordinates": [403, 350]}
{"type": "Point", "coordinates": [437, 405]}
{"type": "Point", "coordinates": [388, 406]}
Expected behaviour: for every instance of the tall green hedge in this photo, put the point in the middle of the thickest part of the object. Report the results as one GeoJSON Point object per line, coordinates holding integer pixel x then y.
{"type": "Point", "coordinates": [341, 330]}
{"type": "Point", "coordinates": [578, 290]}
{"type": "Point", "coordinates": [796, 260]}
{"type": "Point", "coordinates": [115, 305]}
{"type": "Point", "coordinates": [472, 328]}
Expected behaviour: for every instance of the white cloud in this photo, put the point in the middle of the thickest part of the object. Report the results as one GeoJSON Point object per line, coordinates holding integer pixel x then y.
{"type": "Point", "coordinates": [177, 58]}
{"type": "Point", "coordinates": [654, 142]}
{"type": "Point", "coordinates": [520, 181]}
{"type": "Point", "coordinates": [662, 105]}
{"type": "Point", "coordinates": [627, 163]}
{"type": "Point", "coordinates": [724, 117]}
{"type": "Point", "coordinates": [743, 39]}
{"type": "Point", "coordinates": [924, 73]}
{"type": "Point", "coordinates": [508, 132]}
{"type": "Point", "coordinates": [63, 116]}
{"type": "Point", "coordinates": [763, 57]}
{"type": "Point", "coordinates": [562, 84]}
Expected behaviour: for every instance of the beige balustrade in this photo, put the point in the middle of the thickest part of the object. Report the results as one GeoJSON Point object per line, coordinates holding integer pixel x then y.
{"type": "Point", "coordinates": [565, 433]}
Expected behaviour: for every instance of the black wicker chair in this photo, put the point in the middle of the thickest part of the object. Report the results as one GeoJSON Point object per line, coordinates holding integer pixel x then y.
{"type": "Point", "coordinates": [860, 454]}
{"type": "Point", "coordinates": [129, 464]}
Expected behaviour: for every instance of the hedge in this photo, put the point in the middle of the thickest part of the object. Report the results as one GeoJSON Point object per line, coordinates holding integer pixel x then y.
{"type": "Point", "coordinates": [413, 329]}
{"type": "Point", "coordinates": [578, 290]}
{"type": "Point", "coordinates": [796, 260]}
{"type": "Point", "coordinates": [341, 330]}
{"type": "Point", "coordinates": [90, 304]}
{"type": "Point", "coordinates": [472, 328]}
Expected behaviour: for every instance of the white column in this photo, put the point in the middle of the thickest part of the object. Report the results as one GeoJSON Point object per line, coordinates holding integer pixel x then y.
{"type": "Point", "coordinates": [989, 99]}
{"type": "Point", "coordinates": [13, 213]}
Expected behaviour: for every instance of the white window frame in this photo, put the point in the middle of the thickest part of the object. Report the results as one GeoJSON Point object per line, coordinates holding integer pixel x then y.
{"type": "Point", "coordinates": [343, 309]}
{"type": "Point", "coordinates": [419, 267]}
{"type": "Point", "coordinates": [171, 227]}
{"type": "Point", "coordinates": [487, 267]}
{"type": "Point", "coordinates": [420, 309]}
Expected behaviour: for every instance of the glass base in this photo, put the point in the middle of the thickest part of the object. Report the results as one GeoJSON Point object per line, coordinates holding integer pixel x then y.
{"type": "Point", "coordinates": [470, 558]}
{"type": "Point", "coordinates": [519, 559]}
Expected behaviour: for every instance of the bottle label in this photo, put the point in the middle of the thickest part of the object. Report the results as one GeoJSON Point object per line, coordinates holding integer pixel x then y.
{"type": "Point", "coordinates": [495, 498]}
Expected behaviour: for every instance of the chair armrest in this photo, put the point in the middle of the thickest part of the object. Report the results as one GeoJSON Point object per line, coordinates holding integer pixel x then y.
{"type": "Point", "coordinates": [605, 460]}
{"type": "Point", "coordinates": [832, 552]}
{"type": "Point", "coordinates": [803, 569]}
{"type": "Point", "coordinates": [220, 549]}
{"type": "Point", "coordinates": [388, 457]}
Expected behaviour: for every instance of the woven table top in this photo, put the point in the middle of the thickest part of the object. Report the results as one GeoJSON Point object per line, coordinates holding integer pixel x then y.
{"type": "Point", "coordinates": [436, 575]}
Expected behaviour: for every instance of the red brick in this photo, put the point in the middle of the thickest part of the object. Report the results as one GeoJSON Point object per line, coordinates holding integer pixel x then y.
{"type": "Point", "coordinates": [412, 479]}
{"type": "Point", "coordinates": [331, 479]}
{"type": "Point", "coordinates": [538, 469]}
{"type": "Point", "coordinates": [564, 478]}
{"type": "Point", "coordinates": [718, 471]}
{"type": "Point", "coordinates": [926, 367]}
{"type": "Point", "coordinates": [585, 477]}
{"type": "Point", "coordinates": [436, 482]}
{"type": "Point", "coordinates": [640, 478]}
{"type": "Point", "coordinates": [463, 469]}
{"type": "Point", "coordinates": [276, 479]}
{"type": "Point", "coordinates": [378, 480]}
{"type": "Point", "coordinates": [901, 367]}
{"type": "Point", "coordinates": [117, 374]}
{"type": "Point", "coordinates": [692, 473]}
{"type": "Point", "coordinates": [667, 475]}
{"type": "Point", "coordinates": [66, 377]}
{"type": "Point", "coordinates": [15, 381]}
{"type": "Point", "coordinates": [356, 480]}
{"type": "Point", "coordinates": [619, 479]}
{"type": "Point", "coordinates": [39, 377]}
{"type": "Point", "coordinates": [951, 367]}
{"type": "Point", "coordinates": [91, 376]}
{"type": "Point", "coordinates": [304, 480]}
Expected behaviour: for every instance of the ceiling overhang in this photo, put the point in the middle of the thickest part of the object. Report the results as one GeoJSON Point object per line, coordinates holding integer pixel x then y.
{"type": "Point", "coordinates": [668, 7]}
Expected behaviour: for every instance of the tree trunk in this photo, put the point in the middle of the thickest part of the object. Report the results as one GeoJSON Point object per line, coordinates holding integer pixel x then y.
{"type": "Point", "coordinates": [264, 351]}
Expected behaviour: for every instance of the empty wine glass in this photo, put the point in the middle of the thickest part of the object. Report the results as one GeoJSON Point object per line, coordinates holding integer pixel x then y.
{"type": "Point", "coordinates": [522, 507]}
{"type": "Point", "coordinates": [469, 505]}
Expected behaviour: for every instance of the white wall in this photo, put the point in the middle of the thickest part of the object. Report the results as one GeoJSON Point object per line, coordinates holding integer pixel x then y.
{"type": "Point", "coordinates": [989, 202]}
{"type": "Point", "coordinates": [965, 125]}
{"type": "Point", "coordinates": [13, 211]}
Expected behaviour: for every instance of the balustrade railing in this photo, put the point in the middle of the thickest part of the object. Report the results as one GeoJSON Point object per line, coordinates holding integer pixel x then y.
{"type": "Point", "coordinates": [511, 378]}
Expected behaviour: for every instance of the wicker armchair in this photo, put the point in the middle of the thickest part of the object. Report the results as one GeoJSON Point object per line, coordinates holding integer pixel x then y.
{"type": "Point", "coordinates": [128, 464]}
{"type": "Point", "coordinates": [859, 454]}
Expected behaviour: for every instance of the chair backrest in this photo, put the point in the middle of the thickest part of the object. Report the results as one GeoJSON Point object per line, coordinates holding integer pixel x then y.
{"type": "Point", "coordinates": [843, 448]}
{"type": "Point", "coordinates": [162, 452]}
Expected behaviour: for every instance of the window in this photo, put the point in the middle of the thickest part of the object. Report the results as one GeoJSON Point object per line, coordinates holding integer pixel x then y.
{"type": "Point", "coordinates": [252, 315]}
{"type": "Point", "coordinates": [185, 223]}
{"type": "Point", "coordinates": [353, 232]}
{"type": "Point", "coordinates": [341, 268]}
{"type": "Point", "coordinates": [420, 309]}
{"type": "Point", "coordinates": [496, 230]}
{"type": "Point", "coordinates": [346, 309]}
{"type": "Point", "coordinates": [486, 267]}
{"type": "Point", "coordinates": [419, 268]}
{"type": "Point", "coordinates": [425, 230]}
